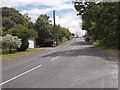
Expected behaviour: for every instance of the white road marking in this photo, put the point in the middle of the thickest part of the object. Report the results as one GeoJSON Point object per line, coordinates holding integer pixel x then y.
{"type": "Point", "coordinates": [54, 58]}
{"type": "Point", "coordinates": [20, 75]}
{"type": "Point", "coordinates": [74, 47]}
{"type": "Point", "coordinates": [114, 64]}
{"type": "Point", "coordinates": [59, 55]}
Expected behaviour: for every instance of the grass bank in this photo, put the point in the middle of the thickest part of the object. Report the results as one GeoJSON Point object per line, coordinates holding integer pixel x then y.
{"type": "Point", "coordinates": [5, 55]}
{"type": "Point", "coordinates": [107, 51]}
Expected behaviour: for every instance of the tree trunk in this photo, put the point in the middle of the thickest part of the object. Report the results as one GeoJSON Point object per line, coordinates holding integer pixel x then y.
{"type": "Point", "coordinates": [10, 50]}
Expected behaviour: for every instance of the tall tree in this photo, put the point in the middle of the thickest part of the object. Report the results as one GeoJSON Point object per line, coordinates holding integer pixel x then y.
{"type": "Point", "coordinates": [23, 33]}
{"type": "Point", "coordinates": [15, 23]}
{"type": "Point", "coordinates": [42, 26]}
{"type": "Point", "coordinates": [11, 17]}
{"type": "Point", "coordinates": [100, 20]}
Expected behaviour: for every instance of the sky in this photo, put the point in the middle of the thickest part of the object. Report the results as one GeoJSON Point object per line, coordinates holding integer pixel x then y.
{"type": "Point", "coordinates": [66, 15]}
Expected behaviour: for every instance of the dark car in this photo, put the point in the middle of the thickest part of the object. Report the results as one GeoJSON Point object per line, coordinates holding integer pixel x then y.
{"type": "Point", "coordinates": [87, 39]}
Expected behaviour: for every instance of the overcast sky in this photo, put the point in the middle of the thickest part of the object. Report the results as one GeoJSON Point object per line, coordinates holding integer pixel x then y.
{"type": "Point", "coordinates": [66, 14]}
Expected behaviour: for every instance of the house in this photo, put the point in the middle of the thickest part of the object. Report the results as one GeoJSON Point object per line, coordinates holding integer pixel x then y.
{"type": "Point", "coordinates": [31, 42]}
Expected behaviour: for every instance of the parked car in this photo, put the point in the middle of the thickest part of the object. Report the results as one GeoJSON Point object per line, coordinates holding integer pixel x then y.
{"type": "Point", "coordinates": [87, 39]}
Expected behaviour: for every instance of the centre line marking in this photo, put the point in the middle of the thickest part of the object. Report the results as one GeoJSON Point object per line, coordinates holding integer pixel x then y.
{"type": "Point", "coordinates": [20, 75]}
{"type": "Point", "coordinates": [67, 51]}
{"type": "Point", "coordinates": [54, 58]}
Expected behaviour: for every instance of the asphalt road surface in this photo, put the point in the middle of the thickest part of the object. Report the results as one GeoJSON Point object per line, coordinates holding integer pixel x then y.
{"type": "Point", "coordinates": [73, 65]}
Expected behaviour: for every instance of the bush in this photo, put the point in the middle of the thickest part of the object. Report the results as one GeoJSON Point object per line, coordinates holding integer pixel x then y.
{"type": "Point", "coordinates": [23, 33]}
{"type": "Point", "coordinates": [24, 45]}
{"type": "Point", "coordinates": [10, 42]}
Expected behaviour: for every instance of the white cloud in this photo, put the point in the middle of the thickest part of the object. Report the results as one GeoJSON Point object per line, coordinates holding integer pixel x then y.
{"type": "Point", "coordinates": [18, 3]}
{"type": "Point", "coordinates": [54, 5]}
{"type": "Point", "coordinates": [14, 3]}
{"type": "Point", "coordinates": [33, 17]}
{"type": "Point", "coordinates": [68, 19]}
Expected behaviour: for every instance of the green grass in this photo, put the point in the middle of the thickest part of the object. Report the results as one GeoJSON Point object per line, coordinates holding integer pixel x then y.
{"type": "Point", "coordinates": [110, 52]}
{"type": "Point", "coordinates": [107, 51]}
{"type": "Point", "coordinates": [6, 55]}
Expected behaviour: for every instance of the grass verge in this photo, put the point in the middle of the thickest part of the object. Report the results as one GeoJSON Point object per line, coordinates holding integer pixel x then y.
{"type": "Point", "coordinates": [6, 55]}
{"type": "Point", "coordinates": [109, 52]}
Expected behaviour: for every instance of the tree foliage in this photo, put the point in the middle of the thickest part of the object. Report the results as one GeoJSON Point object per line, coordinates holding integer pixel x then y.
{"type": "Point", "coordinates": [42, 27]}
{"type": "Point", "coordinates": [11, 42]}
{"type": "Point", "coordinates": [11, 17]}
{"type": "Point", "coordinates": [100, 20]}
{"type": "Point", "coordinates": [15, 23]}
{"type": "Point", "coordinates": [23, 33]}
{"type": "Point", "coordinates": [61, 32]}
{"type": "Point", "coordinates": [1, 31]}
{"type": "Point", "coordinates": [47, 33]}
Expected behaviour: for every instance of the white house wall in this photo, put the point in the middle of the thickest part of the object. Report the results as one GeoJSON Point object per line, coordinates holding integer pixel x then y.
{"type": "Point", "coordinates": [31, 43]}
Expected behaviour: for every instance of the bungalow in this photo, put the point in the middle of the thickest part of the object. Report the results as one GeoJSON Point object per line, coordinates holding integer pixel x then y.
{"type": "Point", "coordinates": [31, 42]}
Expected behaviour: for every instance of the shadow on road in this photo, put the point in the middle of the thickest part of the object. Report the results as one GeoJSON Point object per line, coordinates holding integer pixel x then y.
{"type": "Point", "coordinates": [86, 51]}
{"type": "Point", "coordinates": [81, 43]}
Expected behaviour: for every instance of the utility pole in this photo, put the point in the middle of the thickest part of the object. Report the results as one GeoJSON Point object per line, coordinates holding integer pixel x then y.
{"type": "Point", "coordinates": [54, 40]}
{"type": "Point", "coordinates": [68, 27]}
{"type": "Point", "coordinates": [76, 35]}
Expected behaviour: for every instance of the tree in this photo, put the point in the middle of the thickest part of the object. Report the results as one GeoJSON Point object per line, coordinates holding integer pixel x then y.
{"type": "Point", "coordinates": [1, 31]}
{"type": "Point", "coordinates": [23, 33]}
{"type": "Point", "coordinates": [10, 42]}
{"type": "Point", "coordinates": [100, 20]}
{"type": "Point", "coordinates": [47, 33]}
{"type": "Point", "coordinates": [0, 41]}
{"type": "Point", "coordinates": [7, 23]}
{"type": "Point", "coordinates": [66, 33]}
{"type": "Point", "coordinates": [12, 17]}
{"type": "Point", "coordinates": [42, 26]}
{"type": "Point", "coordinates": [73, 34]}
{"type": "Point", "coordinates": [29, 24]}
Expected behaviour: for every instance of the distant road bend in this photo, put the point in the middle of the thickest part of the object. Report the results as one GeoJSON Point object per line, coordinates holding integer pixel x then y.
{"type": "Point", "coordinates": [73, 65]}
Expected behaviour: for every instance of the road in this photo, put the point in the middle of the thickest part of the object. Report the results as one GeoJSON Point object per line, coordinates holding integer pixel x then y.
{"type": "Point", "coordinates": [73, 65]}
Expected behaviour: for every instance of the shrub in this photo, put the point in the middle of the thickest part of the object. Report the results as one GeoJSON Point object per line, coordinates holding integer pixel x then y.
{"type": "Point", "coordinates": [10, 42]}
{"type": "Point", "coordinates": [23, 33]}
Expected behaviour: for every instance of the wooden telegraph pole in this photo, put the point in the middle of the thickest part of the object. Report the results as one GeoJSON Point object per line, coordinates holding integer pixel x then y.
{"type": "Point", "coordinates": [54, 40]}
